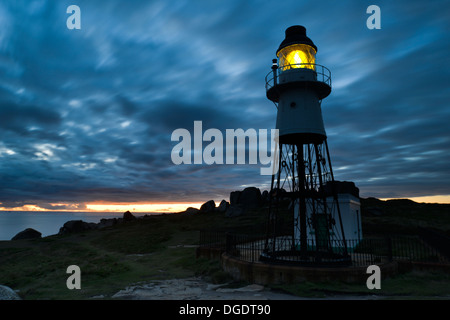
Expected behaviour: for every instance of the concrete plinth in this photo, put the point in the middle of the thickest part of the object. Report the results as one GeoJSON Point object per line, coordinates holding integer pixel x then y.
{"type": "Point", "coordinates": [265, 273]}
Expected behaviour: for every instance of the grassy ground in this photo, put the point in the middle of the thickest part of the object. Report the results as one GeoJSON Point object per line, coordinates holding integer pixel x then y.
{"type": "Point", "coordinates": [411, 285]}
{"type": "Point", "coordinates": [157, 247]}
{"type": "Point", "coordinates": [404, 216]}
{"type": "Point", "coordinates": [160, 247]}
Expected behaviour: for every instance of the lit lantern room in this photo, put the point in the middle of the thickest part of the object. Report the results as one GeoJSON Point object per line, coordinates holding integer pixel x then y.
{"type": "Point", "coordinates": [297, 56]}
{"type": "Point", "coordinates": [296, 50]}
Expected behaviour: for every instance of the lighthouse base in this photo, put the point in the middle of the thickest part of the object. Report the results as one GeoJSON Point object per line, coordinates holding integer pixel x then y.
{"type": "Point", "coordinates": [305, 225]}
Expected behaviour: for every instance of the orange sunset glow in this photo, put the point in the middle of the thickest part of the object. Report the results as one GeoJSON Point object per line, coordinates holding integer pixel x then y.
{"type": "Point", "coordinates": [113, 207]}
{"type": "Point", "coordinates": [142, 207]}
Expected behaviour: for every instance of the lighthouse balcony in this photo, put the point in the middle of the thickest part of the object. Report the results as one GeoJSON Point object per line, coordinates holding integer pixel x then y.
{"type": "Point", "coordinates": [290, 76]}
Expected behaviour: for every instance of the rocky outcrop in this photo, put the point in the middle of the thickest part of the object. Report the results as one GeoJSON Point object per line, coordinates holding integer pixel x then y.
{"type": "Point", "coordinates": [235, 211]}
{"type": "Point", "coordinates": [208, 206]}
{"type": "Point", "coordinates": [234, 197]}
{"type": "Point", "coordinates": [27, 234]}
{"type": "Point", "coordinates": [128, 216]}
{"type": "Point", "coordinates": [265, 197]}
{"type": "Point", "coordinates": [191, 210]}
{"type": "Point", "coordinates": [242, 201]}
{"type": "Point", "coordinates": [107, 223]}
{"type": "Point", "coordinates": [223, 206]}
{"type": "Point", "coordinates": [6, 293]}
{"type": "Point", "coordinates": [249, 198]}
{"type": "Point", "coordinates": [73, 226]}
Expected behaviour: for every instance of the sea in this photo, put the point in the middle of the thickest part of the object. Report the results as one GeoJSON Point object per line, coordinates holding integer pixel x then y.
{"type": "Point", "coordinates": [48, 223]}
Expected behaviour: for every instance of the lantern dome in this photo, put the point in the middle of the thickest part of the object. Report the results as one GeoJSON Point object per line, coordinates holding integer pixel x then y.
{"type": "Point", "coordinates": [296, 35]}
{"type": "Point", "coordinates": [296, 50]}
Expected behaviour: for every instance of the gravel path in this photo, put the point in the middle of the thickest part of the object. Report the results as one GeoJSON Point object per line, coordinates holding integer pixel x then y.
{"type": "Point", "coordinates": [198, 289]}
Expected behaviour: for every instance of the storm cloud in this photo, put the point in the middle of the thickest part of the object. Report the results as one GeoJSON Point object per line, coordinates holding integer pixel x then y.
{"type": "Point", "coordinates": [87, 115]}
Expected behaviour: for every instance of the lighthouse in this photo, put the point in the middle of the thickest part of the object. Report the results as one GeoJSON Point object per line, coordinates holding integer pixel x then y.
{"type": "Point", "coordinates": [305, 223]}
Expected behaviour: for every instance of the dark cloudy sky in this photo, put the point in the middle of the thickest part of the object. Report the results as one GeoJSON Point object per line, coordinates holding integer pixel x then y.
{"type": "Point", "coordinates": [87, 115]}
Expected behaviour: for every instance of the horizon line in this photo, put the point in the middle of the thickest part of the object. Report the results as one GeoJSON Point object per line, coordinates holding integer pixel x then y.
{"type": "Point", "coordinates": [162, 208]}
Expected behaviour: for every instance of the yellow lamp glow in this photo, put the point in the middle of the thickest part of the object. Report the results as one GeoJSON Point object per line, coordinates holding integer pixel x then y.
{"type": "Point", "coordinates": [297, 56]}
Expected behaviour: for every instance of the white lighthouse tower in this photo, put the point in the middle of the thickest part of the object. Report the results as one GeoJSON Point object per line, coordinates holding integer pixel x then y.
{"type": "Point", "coordinates": [305, 224]}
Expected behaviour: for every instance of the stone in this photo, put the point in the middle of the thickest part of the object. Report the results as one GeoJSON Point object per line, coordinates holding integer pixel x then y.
{"type": "Point", "coordinates": [73, 226]}
{"type": "Point", "coordinates": [223, 206]}
{"type": "Point", "coordinates": [128, 216]}
{"type": "Point", "coordinates": [265, 197]}
{"type": "Point", "coordinates": [235, 211]}
{"type": "Point", "coordinates": [6, 293]}
{"type": "Point", "coordinates": [234, 197]}
{"type": "Point", "coordinates": [341, 187]}
{"type": "Point", "coordinates": [28, 234]}
{"type": "Point", "coordinates": [208, 206]}
{"type": "Point", "coordinates": [106, 223]}
{"type": "Point", "coordinates": [191, 210]}
{"type": "Point", "coordinates": [249, 288]}
{"type": "Point", "coordinates": [250, 198]}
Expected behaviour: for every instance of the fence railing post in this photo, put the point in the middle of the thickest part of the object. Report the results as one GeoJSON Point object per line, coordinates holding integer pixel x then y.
{"type": "Point", "coordinates": [389, 249]}
{"type": "Point", "coordinates": [228, 243]}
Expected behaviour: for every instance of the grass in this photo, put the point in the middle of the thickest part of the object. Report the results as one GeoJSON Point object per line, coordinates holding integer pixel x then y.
{"type": "Point", "coordinates": [157, 247]}
{"type": "Point", "coordinates": [404, 216]}
{"type": "Point", "coordinates": [411, 285]}
{"type": "Point", "coordinates": [160, 247]}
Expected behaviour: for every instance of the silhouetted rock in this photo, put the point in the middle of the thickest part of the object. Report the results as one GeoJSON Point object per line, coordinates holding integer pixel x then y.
{"type": "Point", "coordinates": [208, 206]}
{"type": "Point", "coordinates": [249, 198]}
{"type": "Point", "coordinates": [106, 223]}
{"type": "Point", "coordinates": [191, 210]}
{"type": "Point", "coordinates": [241, 201]}
{"type": "Point", "coordinates": [275, 192]}
{"type": "Point", "coordinates": [128, 216]}
{"type": "Point", "coordinates": [27, 234]}
{"type": "Point", "coordinates": [265, 197]}
{"type": "Point", "coordinates": [73, 226]}
{"type": "Point", "coordinates": [235, 211]}
{"type": "Point", "coordinates": [341, 187]}
{"type": "Point", "coordinates": [234, 197]}
{"type": "Point", "coordinates": [223, 206]}
{"type": "Point", "coordinates": [6, 293]}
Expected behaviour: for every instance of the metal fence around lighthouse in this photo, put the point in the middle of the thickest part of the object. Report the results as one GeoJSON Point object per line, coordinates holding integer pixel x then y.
{"type": "Point", "coordinates": [250, 247]}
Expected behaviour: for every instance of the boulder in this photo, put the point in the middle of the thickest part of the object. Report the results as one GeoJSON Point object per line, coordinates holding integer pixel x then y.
{"type": "Point", "coordinates": [128, 216]}
{"type": "Point", "coordinates": [208, 206]}
{"type": "Point", "coordinates": [6, 293]}
{"type": "Point", "coordinates": [73, 226]}
{"type": "Point", "coordinates": [191, 210]}
{"type": "Point", "coordinates": [241, 201]}
{"type": "Point", "coordinates": [281, 193]}
{"type": "Point", "coordinates": [234, 197]}
{"type": "Point", "coordinates": [265, 197]}
{"type": "Point", "coordinates": [223, 206]}
{"type": "Point", "coordinates": [235, 211]}
{"type": "Point", "coordinates": [106, 223]}
{"type": "Point", "coordinates": [341, 187]}
{"type": "Point", "coordinates": [27, 234]}
{"type": "Point", "coordinates": [250, 198]}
